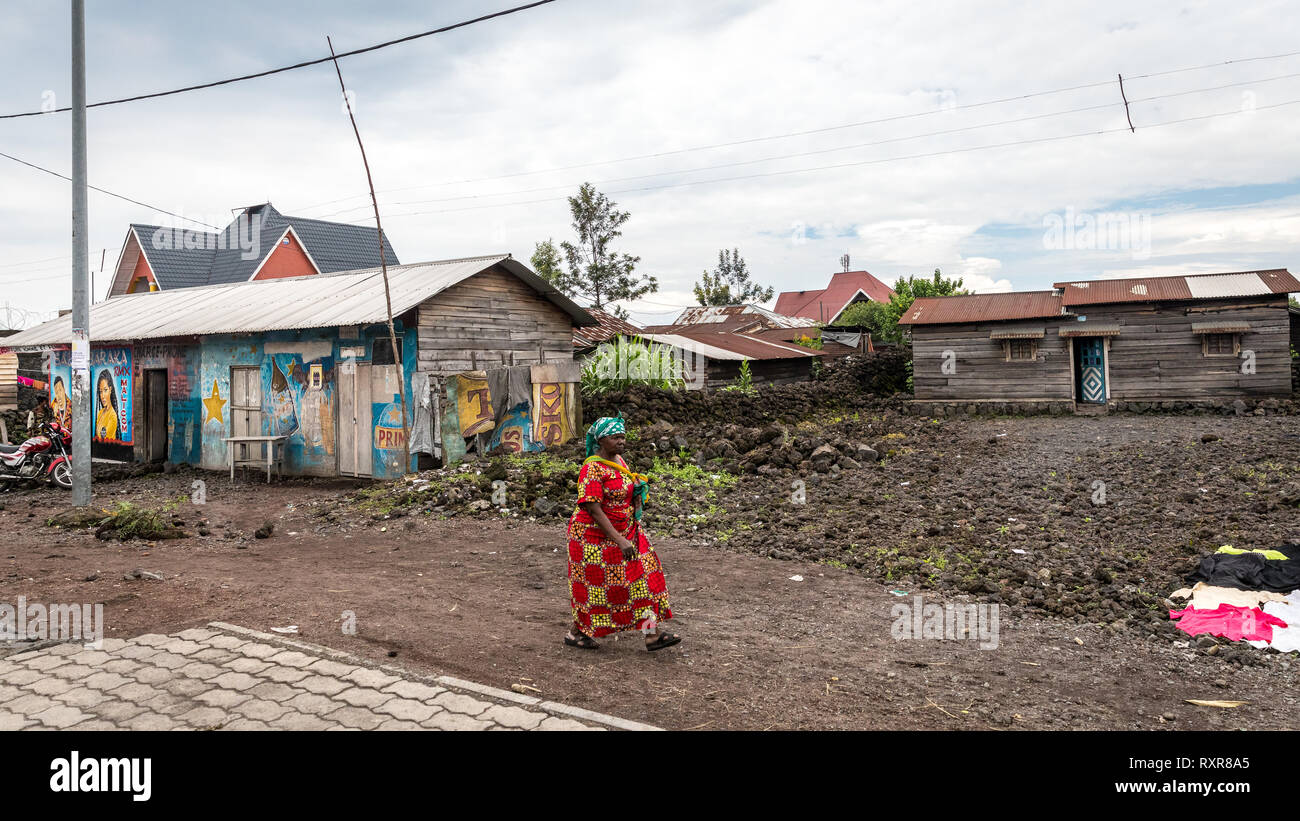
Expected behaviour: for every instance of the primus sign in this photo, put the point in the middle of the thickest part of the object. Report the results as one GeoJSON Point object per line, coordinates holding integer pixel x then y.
{"type": "Point", "coordinates": [61, 622]}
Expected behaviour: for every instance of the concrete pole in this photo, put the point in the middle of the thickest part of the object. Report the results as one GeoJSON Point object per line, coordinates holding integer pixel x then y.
{"type": "Point", "coordinates": [81, 425]}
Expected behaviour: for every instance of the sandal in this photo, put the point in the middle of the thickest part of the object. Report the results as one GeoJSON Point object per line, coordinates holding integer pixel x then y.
{"type": "Point", "coordinates": [663, 640]}
{"type": "Point", "coordinates": [582, 642]}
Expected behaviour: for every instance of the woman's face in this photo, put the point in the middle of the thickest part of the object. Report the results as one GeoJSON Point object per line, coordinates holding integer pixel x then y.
{"type": "Point", "coordinates": [614, 443]}
{"type": "Point", "coordinates": [60, 395]}
{"type": "Point", "coordinates": [105, 393]}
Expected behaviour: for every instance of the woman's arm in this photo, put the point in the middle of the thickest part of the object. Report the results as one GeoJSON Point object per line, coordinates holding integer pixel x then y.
{"type": "Point", "coordinates": [598, 515]}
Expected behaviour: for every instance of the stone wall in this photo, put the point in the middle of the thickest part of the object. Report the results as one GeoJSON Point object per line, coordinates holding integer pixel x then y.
{"type": "Point", "coordinates": [854, 382]}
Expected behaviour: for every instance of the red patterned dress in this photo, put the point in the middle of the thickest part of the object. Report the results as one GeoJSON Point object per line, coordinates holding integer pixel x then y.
{"type": "Point", "coordinates": [606, 592]}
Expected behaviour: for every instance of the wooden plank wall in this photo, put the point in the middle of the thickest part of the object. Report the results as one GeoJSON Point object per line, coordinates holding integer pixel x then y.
{"type": "Point", "coordinates": [723, 372]}
{"type": "Point", "coordinates": [1156, 355]}
{"type": "Point", "coordinates": [981, 369]}
{"type": "Point", "coordinates": [489, 320]}
{"type": "Point", "coordinates": [8, 381]}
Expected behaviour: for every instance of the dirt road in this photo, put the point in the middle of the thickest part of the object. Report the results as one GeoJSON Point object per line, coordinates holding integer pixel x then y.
{"type": "Point", "coordinates": [485, 599]}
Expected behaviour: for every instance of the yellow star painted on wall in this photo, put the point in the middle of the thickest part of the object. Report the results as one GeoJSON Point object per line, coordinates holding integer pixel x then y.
{"type": "Point", "coordinates": [214, 404]}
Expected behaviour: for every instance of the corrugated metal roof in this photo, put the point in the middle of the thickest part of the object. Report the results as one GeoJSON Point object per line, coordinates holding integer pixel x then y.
{"type": "Point", "coordinates": [1195, 286]}
{"type": "Point", "coordinates": [1090, 329]}
{"type": "Point", "coordinates": [1223, 326]}
{"type": "Point", "coordinates": [732, 346]}
{"type": "Point", "coordinates": [736, 315]}
{"type": "Point", "coordinates": [1019, 332]}
{"type": "Point", "coordinates": [318, 301]}
{"type": "Point", "coordinates": [607, 326]}
{"type": "Point", "coordinates": [936, 310]}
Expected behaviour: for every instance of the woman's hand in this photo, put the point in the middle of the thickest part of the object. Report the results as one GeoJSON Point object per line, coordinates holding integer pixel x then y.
{"type": "Point", "coordinates": [629, 549]}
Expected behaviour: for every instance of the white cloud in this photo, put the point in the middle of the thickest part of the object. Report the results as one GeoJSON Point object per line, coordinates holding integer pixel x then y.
{"type": "Point", "coordinates": [584, 81]}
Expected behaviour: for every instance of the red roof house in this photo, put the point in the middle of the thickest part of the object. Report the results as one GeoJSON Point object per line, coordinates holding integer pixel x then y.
{"type": "Point", "coordinates": [827, 304]}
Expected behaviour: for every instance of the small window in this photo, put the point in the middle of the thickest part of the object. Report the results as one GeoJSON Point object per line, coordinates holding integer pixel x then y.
{"type": "Point", "coordinates": [1022, 350]}
{"type": "Point", "coordinates": [1220, 344]}
{"type": "Point", "coordinates": [382, 352]}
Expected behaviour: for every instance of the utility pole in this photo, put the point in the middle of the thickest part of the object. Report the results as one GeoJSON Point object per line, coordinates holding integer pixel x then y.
{"type": "Point", "coordinates": [80, 267]}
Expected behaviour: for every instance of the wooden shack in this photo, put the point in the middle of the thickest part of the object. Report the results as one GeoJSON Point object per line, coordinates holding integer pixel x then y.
{"type": "Point", "coordinates": [1207, 337]}
{"type": "Point", "coordinates": [178, 374]}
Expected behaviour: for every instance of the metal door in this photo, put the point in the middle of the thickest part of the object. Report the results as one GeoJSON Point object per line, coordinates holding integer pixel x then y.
{"type": "Point", "coordinates": [1090, 368]}
{"type": "Point", "coordinates": [155, 418]}
{"type": "Point", "coordinates": [354, 419]}
{"type": "Point", "coordinates": [245, 408]}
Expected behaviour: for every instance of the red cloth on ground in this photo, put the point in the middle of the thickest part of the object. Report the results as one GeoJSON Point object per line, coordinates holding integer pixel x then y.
{"type": "Point", "coordinates": [1236, 623]}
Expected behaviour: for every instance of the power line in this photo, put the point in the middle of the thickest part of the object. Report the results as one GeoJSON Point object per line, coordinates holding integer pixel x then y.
{"type": "Point", "coordinates": [293, 67]}
{"type": "Point", "coordinates": [106, 191]}
{"type": "Point", "coordinates": [834, 149]}
{"type": "Point", "coordinates": [893, 118]}
{"type": "Point", "coordinates": [858, 163]}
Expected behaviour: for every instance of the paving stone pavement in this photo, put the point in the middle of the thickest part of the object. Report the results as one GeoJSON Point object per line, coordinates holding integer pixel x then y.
{"type": "Point", "coordinates": [225, 677]}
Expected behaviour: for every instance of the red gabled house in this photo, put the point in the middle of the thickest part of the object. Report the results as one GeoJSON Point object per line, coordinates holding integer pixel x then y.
{"type": "Point", "coordinates": [827, 304]}
{"type": "Point", "coordinates": [261, 243]}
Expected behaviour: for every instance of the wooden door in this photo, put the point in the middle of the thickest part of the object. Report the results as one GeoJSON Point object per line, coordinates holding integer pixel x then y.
{"type": "Point", "coordinates": [155, 415]}
{"type": "Point", "coordinates": [1090, 369]}
{"type": "Point", "coordinates": [354, 419]}
{"type": "Point", "coordinates": [245, 408]}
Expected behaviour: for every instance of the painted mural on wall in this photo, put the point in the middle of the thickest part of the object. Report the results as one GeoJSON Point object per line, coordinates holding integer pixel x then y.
{"type": "Point", "coordinates": [474, 403]}
{"type": "Point", "coordinates": [551, 422]}
{"type": "Point", "coordinates": [60, 384]}
{"type": "Point", "coordinates": [299, 404]}
{"type": "Point", "coordinates": [110, 373]}
{"type": "Point", "coordinates": [110, 397]}
{"type": "Point", "coordinates": [514, 434]}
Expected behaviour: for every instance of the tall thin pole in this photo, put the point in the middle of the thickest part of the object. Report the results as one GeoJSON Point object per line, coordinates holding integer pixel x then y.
{"type": "Point", "coordinates": [383, 264]}
{"type": "Point", "coordinates": [80, 267]}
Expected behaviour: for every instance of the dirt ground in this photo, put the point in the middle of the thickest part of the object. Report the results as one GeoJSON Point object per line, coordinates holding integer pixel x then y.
{"type": "Point", "coordinates": [485, 598]}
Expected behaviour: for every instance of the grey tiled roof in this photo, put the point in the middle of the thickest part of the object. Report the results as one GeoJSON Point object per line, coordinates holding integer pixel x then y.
{"type": "Point", "coordinates": [221, 259]}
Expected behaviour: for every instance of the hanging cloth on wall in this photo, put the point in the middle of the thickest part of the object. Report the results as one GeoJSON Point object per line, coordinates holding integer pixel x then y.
{"type": "Point", "coordinates": [474, 403]}
{"type": "Point", "coordinates": [453, 444]}
{"type": "Point", "coordinates": [422, 421]}
{"type": "Point", "coordinates": [519, 385]}
{"type": "Point", "coordinates": [498, 382]}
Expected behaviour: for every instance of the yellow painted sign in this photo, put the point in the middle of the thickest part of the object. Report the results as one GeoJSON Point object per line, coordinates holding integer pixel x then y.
{"type": "Point", "coordinates": [551, 422]}
{"type": "Point", "coordinates": [474, 403]}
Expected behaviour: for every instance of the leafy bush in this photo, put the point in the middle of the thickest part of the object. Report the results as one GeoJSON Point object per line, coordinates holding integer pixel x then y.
{"type": "Point", "coordinates": [745, 382]}
{"type": "Point", "coordinates": [627, 361]}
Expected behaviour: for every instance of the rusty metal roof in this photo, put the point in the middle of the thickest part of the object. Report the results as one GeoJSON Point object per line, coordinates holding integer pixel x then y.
{"type": "Point", "coordinates": [732, 315]}
{"type": "Point", "coordinates": [938, 310]}
{"type": "Point", "coordinates": [1194, 286]}
{"type": "Point", "coordinates": [731, 346]}
{"type": "Point", "coordinates": [1090, 329]}
{"type": "Point", "coordinates": [607, 326]}
{"type": "Point", "coordinates": [1222, 326]}
{"type": "Point", "coordinates": [1019, 332]}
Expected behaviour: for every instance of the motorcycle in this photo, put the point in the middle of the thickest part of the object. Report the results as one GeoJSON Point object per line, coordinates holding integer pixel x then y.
{"type": "Point", "coordinates": [42, 457]}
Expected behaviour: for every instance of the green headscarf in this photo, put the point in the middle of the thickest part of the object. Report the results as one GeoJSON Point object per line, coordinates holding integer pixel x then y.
{"type": "Point", "coordinates": [604, 426]}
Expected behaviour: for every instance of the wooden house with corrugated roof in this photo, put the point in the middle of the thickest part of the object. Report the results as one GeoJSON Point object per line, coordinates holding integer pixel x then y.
{"type": "Point", "coordinates": [1199, 337]}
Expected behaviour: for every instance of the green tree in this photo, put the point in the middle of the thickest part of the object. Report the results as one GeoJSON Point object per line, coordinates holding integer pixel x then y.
{"type": "Point", "coordinates": [729, 283]}
{"type": "Point", "coordinates": [549, 265]}
{"type": "Point", "coordinates": [881, 318]}
{"type": "Point", "coordinates": [595, 271]}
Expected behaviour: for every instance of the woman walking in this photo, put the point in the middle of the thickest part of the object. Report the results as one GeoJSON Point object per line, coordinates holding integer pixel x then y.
{"type": "Point", "coordinates": [615, 579]}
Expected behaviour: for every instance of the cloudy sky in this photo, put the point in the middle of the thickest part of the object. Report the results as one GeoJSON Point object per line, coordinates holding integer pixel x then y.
{"type": "Point", "coordinates": [909, 135]}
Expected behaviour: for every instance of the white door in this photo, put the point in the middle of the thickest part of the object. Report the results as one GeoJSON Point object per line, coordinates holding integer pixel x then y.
{"type": "Point", "coordinates": [354, 419]}
{"type": "Point", "coordinates": [245, 409]}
